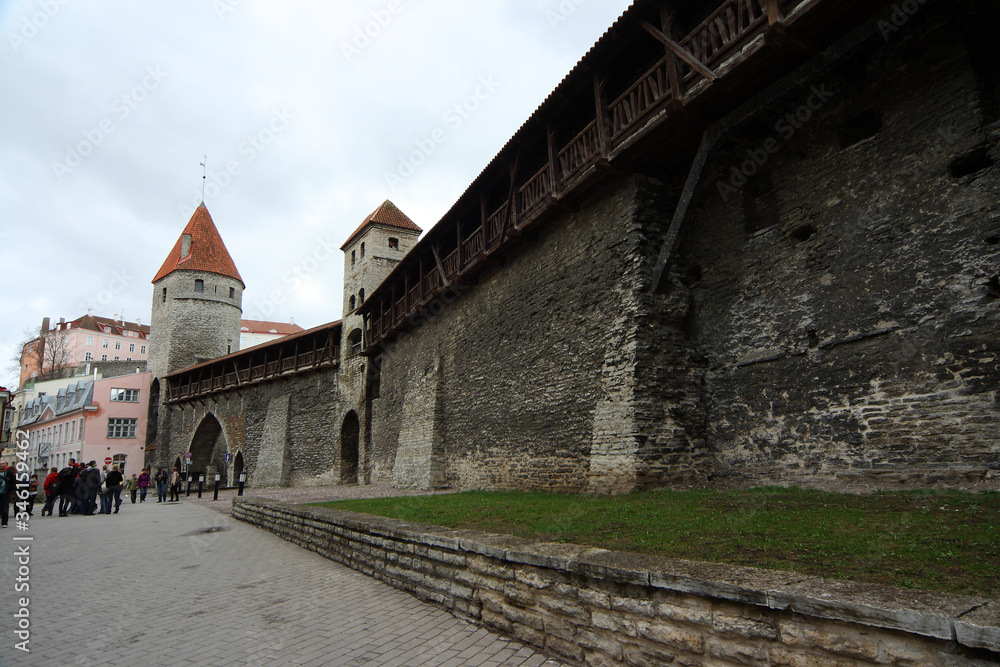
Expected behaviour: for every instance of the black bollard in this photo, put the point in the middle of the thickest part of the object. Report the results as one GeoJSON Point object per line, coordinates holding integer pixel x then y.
{"type": "Point", "coordinates": [189, 487]}
{"type": "Point", "coordinates": [243, 478]}
{"type": "Point", "coordinates": [215, 496]}
{"type": "Point", "coordinates": [201, 482]}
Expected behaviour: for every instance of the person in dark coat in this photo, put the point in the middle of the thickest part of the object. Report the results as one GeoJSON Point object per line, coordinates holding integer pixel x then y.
{"type": "Point", "coordinates": [7, 482]}
{"type": "Point", "coordinates": [113, 482]}
{"type": "Point", "coordinates": [67, 480]}
{"type": "Point", "coordinates": [90, 483]}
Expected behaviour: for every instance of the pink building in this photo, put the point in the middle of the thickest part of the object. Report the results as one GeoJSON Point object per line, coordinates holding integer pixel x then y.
{"type": "Point", "coordinates": [87, 338]}
{"type": "Point", "coordinates": [91, 420]}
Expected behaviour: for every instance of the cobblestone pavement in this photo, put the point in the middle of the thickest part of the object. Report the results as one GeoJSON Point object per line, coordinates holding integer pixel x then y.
{"type": "Point", "coordinates": [178, 584]}
{"type": "Point", "coordinates": [307, 494]}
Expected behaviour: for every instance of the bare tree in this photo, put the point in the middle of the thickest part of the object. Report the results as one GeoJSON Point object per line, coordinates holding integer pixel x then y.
{"type": "Point", "coordinates": [47, 355]}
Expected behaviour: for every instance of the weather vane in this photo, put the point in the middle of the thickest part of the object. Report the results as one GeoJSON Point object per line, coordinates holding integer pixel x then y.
{"type": "Point", "coordinates": [204, 175]}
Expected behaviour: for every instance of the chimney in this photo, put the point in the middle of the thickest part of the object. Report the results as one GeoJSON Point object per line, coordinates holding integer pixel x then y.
{"type": "Point", "coordinates": [291, 320]}
{"type": "Point", "coordinates": [62, 320]}
{"type": "Point", "coordinates": [185, 245]}
{"type": "Point", "coordinates": [138, 321]}
{"type": "Point", "coordinates": [90, 312]}
{"type": "Point", "coordinates": [45, 325]}
{"type": "Point", "coordinates": [115, 318]}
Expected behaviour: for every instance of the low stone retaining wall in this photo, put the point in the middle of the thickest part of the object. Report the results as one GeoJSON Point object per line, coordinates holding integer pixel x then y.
{"type": "Point", "coordinates": [601, 607]}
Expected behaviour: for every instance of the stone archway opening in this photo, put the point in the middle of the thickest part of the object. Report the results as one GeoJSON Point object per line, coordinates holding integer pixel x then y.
{"type": "Point", "coordinates": [208, 451]}
{"type": "Point", "coordinates": [238, 467]}
{"type": "Point", "coordinates": [350, 436]}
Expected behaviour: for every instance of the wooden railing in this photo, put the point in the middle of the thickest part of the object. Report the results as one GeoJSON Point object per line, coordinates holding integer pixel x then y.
{"type": "Point", "coordinates": [728, 26]}
{"type": "Point", "coordinates": [535, 191]}
{"type": "Point", "coordinates": [734, 25]}
{"type": "Point", "coordinates": [496, 222]}
{"type": "Point", "coordinates": [238, 371]}
{"type": "Point", "coordinates": [581, 151]}
{"type": "Point", "coordinates": [646, 94]}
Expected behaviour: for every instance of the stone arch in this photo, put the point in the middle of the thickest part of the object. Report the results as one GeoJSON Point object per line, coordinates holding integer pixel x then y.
{"type": "Point", "coordinates": [208, 449]}
{"type": "Point", "coordinates": [350, 448]}
{"type": "Point", "coordinates": [238, 467]}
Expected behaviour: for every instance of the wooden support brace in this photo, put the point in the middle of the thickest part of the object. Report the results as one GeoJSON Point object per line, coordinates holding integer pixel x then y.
{"type": "Point", "coordinates": [679, 51]}
{"type": "Point", "coordinates": [440, 265]}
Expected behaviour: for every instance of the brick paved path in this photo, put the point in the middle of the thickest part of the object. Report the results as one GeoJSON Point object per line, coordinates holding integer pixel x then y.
{"type": "Point", "coordinates": [180, 584]}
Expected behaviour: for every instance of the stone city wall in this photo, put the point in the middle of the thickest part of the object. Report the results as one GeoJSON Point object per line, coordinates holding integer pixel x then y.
{"type": "Point", "coordinates": [599, 607]}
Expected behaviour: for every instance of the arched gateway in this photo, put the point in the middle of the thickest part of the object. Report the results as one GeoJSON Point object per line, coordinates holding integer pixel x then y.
{"type": "Point", "coordinates": [208, 450]}
{"type": "Point", "coordinates": [350, 434]}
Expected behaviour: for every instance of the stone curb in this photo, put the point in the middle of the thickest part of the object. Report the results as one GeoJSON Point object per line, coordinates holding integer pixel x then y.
{"type": "Point", "coordinates": [974, 622]}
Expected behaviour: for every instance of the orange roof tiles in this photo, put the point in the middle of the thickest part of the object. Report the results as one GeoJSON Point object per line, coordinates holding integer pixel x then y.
{"type": "Point", "coordinates": [263, 326]}
{"type": "Point", "coordinates": [386, 214]}
{"type": "Point", "coordinates": [208, 252]}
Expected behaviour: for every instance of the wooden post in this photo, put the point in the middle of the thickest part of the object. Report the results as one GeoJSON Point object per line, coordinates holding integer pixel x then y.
{"type": "Point", "coordinates": [601, 103]}
{"type": "Point", "coordinates": [555, 180]}
{"type": "Point", "coordinates": [667, 23]}
{"type": "Point", "coordinates": [774, 13]}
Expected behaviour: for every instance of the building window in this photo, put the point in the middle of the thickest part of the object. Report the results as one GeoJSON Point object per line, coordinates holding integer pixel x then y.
{"type": "Point", "coordinates": [117, 358]}
{"type": "Point", "coordinates": [104, 357]}
{"type": "Point", "coordinates": [361, 296]}
{"type": "Point", "coordinates": [131, 347]}
{"type": "Point", "coordinates": [353, 303]}
{"type": "Point", "coordinates": [393, 244]}
{"type": "Point", "coordinates": [362, 251]}
{"type": "Point", "coordinates": [89, 357]}
{"type": "Point", "coordinates": [164, 295]}
{"type": "Point", "coordinates": [352, 258]}
{"type": "Point", "coordinates": [106, 343]}
{"type": "Point", "coordinates": [125, 395]}
{"type": "Point", "coordinates": [199, 286]}
{"type": "Point", "coordinates": [232, 292]}
{"type": "Point", "coordinates": [118, 345]}
{"type": "Point", "coordinates": [90, 341]}
{"type": "Point", "coordinates": [121, 429]}
{"type": "Point", "coordinates": [72, 436]}
{"type": "Point", "coordinates": [119, 460]}
{"type": "Point", "coordinates": [79, 431]}
{"type": "Point", "coordinates": [142, 349]}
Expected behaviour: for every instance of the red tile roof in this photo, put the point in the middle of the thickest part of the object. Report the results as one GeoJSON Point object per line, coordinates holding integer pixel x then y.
{"type": "Point", "coordinates": [208, 252]}
{"type": "Point", "coordinates": [264, 327]}
{"type": "Point", "coordinates": [386, 214]}
{"type": "Point", "coordinates": [97, 323]}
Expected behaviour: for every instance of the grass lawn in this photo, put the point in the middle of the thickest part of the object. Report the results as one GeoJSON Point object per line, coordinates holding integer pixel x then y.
{"type": "Point", "coordinates": [946, 541]}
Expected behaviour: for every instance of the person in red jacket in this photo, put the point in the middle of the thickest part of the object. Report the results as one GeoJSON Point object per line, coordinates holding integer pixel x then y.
{"type": "Point", "coordinates": [51, 488]}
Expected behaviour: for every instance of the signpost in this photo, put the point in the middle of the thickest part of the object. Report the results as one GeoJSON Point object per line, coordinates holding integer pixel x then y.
{"type": "Point", "coordinates": [108, 460]}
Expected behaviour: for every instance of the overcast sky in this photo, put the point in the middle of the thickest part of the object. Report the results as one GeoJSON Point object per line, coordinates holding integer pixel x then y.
{"type": "Point", "coordinates": [311, 114]}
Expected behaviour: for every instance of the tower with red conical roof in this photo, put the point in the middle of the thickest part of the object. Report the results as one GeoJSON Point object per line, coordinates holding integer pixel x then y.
{"type": "Point", "coordinates": [197, 300]}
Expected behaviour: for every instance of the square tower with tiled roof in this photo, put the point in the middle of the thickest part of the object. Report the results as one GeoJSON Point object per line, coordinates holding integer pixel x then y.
{"type": "Point", "coordinates": [370, 254]}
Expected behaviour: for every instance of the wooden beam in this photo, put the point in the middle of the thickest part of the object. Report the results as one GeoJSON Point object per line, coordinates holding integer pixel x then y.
{"type": "Point", "coordinates": [667, 24]}
{"type": "Point", "coordinates": [440, 264]}
{"type": "Point", "coordinates": [774, 13]}
{"type": "Point", "coordinates": [679, 51]}
{"type": "Point", "coordinates": [603, 124]}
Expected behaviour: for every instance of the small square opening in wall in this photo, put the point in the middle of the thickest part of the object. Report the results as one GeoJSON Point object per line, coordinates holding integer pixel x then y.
{"type": "Point", "coordinates": [393, 244]}
{"type": "Point", "coordinates": [232, 292]}
{"type": "Point", "coordinates": [199, 286]}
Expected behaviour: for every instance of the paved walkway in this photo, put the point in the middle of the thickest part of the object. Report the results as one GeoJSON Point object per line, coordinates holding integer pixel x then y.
{"type": "Point", "coordinates": [180, 584]}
